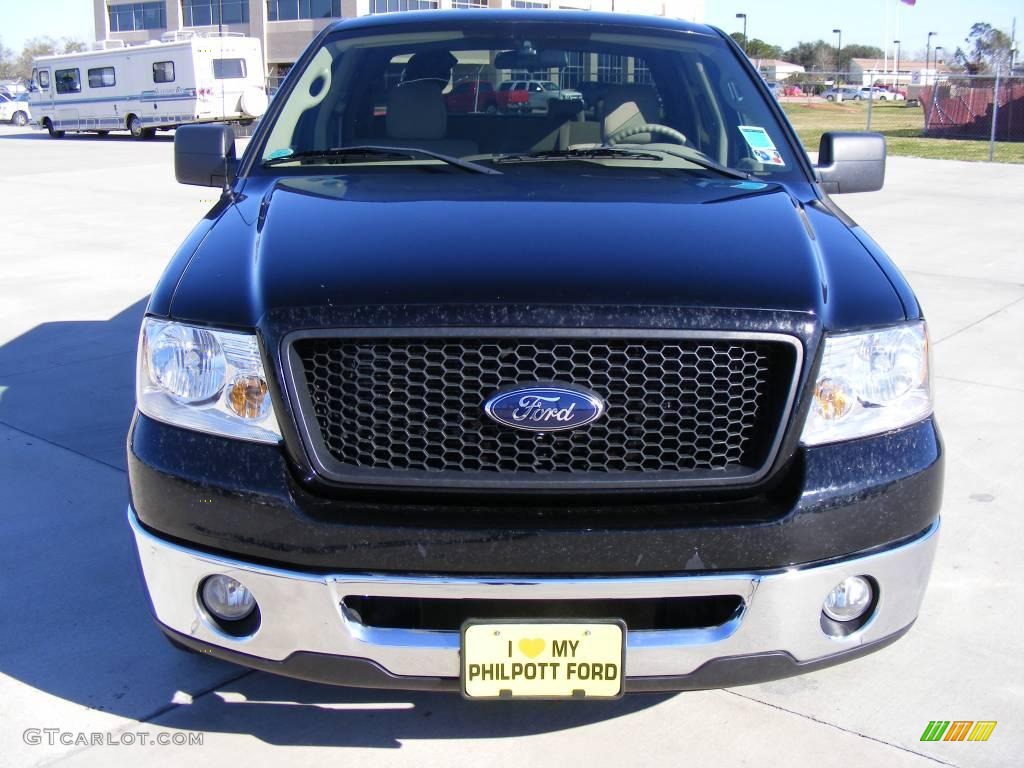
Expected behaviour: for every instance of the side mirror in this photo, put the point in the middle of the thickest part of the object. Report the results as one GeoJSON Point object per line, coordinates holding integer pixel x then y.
{"type": "Point", "coordinates": [851, 162]}
{"type": "Point", "coordinates": [204, 155]}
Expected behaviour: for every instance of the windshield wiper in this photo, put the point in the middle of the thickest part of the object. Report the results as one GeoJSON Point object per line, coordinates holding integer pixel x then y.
{"type": "Point", "coordinates": [703, 161]}
{"type": "Point", "coordinates": [590, 153]}
{"type": "Point", "coordinates": [374, 153]}
{"type": "Point", "coordinates": [631, 153]}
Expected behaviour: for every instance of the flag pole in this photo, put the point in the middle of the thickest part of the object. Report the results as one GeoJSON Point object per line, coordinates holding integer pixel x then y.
{"type": "Point", "coordinates": [885, 38]}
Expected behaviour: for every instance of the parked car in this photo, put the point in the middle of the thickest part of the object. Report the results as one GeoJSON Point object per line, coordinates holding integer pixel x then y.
{"type": "Point", "coordinates": [472, 96]}
{"type": "Point", "coordinates": [15, 110]}
{"type": "Point", "coordinates": [848, 94]}
{"type": "Point", "coordinates": [680, 438]}
{"type": "Point", "coordinates": [881, 94]}
{"type": "Point", "coordinates": [537, 95]}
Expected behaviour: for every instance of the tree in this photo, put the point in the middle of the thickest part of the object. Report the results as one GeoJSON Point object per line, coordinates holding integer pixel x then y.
{"type": "Point", "coordinates": [43, 46]}
{"type": "Point", "coordinates": [8, 65]}
{"type": "Point", "coordinates": [854, 51]}
{"type": "Point", "coordinates": [757, 48]}
{"type": "Point", "coordinates": [989, 50]}
{"type": "Point", "coordinates": [818, 55]}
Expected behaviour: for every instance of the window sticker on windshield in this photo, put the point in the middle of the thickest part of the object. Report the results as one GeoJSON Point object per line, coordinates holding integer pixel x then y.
{"type": "Point", "coordinates": [761, 145]}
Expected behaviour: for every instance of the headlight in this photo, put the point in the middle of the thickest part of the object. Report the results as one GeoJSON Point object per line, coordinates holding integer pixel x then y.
{"type": "Point", "coordinates": [207, 380]}
{"type": "Point", "coordinates": [869, 383]}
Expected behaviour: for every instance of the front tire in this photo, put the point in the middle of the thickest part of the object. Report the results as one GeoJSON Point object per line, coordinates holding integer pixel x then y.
{"type": "Point", "coordinates": [54, 133]}
{"type": "Point", "coordinates": [136, 129]}
{"type": "Point", "coordinates": [20, 119]}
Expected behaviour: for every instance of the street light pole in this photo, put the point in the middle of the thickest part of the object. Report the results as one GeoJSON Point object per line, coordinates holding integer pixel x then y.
{"type": "Point", "coordinates": [744, 17]}
{"type": "Point", "coordinates": [896, 72]}
{"type": "Point", "coordinates": [839, 51]}
{"type": "Point", "coordinates": [927, 55]}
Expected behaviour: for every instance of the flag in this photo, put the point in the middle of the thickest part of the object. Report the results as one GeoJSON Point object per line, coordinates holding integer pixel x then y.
{"type": "Point", "coordinates": [909, 2]}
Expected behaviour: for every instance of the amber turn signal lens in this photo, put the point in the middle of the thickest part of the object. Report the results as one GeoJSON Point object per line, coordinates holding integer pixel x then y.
{"type": "Point", "coordinates": [833, 399]}
{"type": "Point", "coordinates": [249, 397]}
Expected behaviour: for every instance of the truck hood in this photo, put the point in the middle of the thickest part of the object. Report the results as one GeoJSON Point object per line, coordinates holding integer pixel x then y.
{"type": "Point", "coordinates": [310, 244]}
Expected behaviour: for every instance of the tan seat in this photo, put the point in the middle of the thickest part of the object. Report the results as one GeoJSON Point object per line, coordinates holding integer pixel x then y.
{"type": "Point", "coordinates": [418, 117]}
{"type": "Point", "coordinates": [627, 106]}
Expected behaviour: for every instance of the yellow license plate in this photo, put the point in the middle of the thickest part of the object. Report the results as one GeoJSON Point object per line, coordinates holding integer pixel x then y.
{"type": "Point", "coordinates": [543, 660]}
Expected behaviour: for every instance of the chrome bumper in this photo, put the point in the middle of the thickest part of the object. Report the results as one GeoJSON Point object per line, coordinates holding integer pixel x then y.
{"type": "Point", "coordinates": [303, 613]}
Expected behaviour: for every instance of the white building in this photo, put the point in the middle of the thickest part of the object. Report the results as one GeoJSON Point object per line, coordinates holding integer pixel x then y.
{"type": "Point", "coordinates": [869, 71]}
{"type": "Point", "coordinates": [776, 70]}
{"type": "Point", "coordinates": [285, 27]}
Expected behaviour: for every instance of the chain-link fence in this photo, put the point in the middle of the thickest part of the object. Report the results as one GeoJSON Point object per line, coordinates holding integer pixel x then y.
{"type": "Point", "coordinates": [979, 107]}
{"type": "Point", "coordinates": [921, 105]}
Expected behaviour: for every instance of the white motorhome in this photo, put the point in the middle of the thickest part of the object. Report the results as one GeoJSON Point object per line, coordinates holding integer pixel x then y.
{"type": "Point", "coordinates": [183, 78]}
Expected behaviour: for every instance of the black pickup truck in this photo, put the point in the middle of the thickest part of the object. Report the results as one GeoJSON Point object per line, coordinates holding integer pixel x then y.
{"type": "Point", "coordinates": [609, 398]}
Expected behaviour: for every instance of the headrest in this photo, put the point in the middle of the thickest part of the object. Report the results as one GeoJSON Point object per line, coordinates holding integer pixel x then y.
{"type": "Point", "coordinates": [429, 65]}
{"type": "Point", "coordinates": [417, 111]}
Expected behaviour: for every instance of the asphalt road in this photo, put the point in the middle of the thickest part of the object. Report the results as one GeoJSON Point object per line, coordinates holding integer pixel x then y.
{"type": "Point", "coordinates": [87, 226]}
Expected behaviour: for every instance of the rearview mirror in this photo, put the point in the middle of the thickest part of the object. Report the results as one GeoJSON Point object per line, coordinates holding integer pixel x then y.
{"type": "Point", "coordinates": [530, 59]}
{"type": "Point", "coordinates": [204, 155]}
{"type": "Point", "coordinates": [851, 162]}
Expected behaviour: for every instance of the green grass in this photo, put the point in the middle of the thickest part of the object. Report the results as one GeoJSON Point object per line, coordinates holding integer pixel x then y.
{"type": "Point", "coordinates": [902, 125]}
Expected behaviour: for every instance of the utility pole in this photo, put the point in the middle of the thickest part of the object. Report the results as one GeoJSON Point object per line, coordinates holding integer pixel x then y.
{"type": "Point", "coordinates": [927, 55]}
{"type": "Point", "coordinates": [839, 51]}
{"type": "Point", "coordinates": [744, 17]}
{"type": "Point", "coordinates": [896, 69]}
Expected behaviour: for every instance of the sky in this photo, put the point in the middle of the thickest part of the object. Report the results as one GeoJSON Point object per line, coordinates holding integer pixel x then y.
{"type": "Point", "coordinates": [780, 22]}
{"type": "Point", "coordinates": [786, 22]}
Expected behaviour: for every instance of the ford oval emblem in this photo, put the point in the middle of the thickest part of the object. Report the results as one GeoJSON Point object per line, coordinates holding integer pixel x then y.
{"type": "Point", "coordinates": [543, 408]}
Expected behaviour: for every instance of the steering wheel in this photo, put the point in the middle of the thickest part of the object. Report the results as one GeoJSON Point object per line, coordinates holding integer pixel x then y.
{"type": "Point", "coordinates": [625, 133]}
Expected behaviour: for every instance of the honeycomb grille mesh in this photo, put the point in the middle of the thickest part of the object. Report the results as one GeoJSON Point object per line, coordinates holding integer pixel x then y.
{"type": "Point", "coordinates": [417, 404]}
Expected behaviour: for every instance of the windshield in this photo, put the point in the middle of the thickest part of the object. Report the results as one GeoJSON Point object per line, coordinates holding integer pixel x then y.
{"type": "Point", "coordinates": [672, 95]}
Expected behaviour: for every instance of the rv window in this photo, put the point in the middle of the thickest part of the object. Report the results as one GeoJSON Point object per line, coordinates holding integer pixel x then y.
{"type": "Point", "coordinates": [228, 69]}
{"type": "Point", "coordinates": [163, 72]}
{"type": "Point", "coordinates": [102, 77]}
{"type": "Point", "coordinates": [68, 81]}
{"type": "Point", "coordinates": [44, 79]}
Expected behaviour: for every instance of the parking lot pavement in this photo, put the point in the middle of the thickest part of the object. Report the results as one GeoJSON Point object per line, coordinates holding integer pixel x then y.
{"type": "Point", "coordinates": [89, 225]}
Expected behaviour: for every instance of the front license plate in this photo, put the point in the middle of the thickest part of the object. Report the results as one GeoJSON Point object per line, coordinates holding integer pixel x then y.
{"type": "Point", "coordinates": [543, 660]}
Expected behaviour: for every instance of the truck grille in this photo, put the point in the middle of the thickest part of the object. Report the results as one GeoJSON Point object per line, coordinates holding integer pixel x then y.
{"type": "Point", "coordinates": [678, 409]}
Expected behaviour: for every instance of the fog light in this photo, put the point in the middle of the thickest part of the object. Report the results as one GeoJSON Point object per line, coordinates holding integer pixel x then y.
{"type": "Point", "coordinates": [227, 599]}
{"type": "Point", "coordinates": [849, 599]}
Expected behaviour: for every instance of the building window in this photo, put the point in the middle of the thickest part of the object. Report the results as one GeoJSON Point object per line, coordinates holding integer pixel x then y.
{"type": "Point", "coordinates": [642, 73]}
{"type": "Point", "coordinates": [102, 78]}
{"type": "Point", "coordinates": [130, 17]}
{"type": "Point", "coordinates": [611, 68]}
{"type": "Point", "coordinates": [206, 13]}
{"type": "Point", "coordinates": [530, 4]}
{"type": "Point", "coordinates": [68, 81]}
{"type": "Point", "coordinates": [469, 3]}
{"type": "Point", "coordinates": [163, 72]}
{"type": "Point", "coordinates": [229, 69]}
{"type": "Point", "coordinates": [391, 6]}
{"type": "Point", "coordinates": [289, 10]}
{"type": "Point", "coordinates": [572, 73]}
